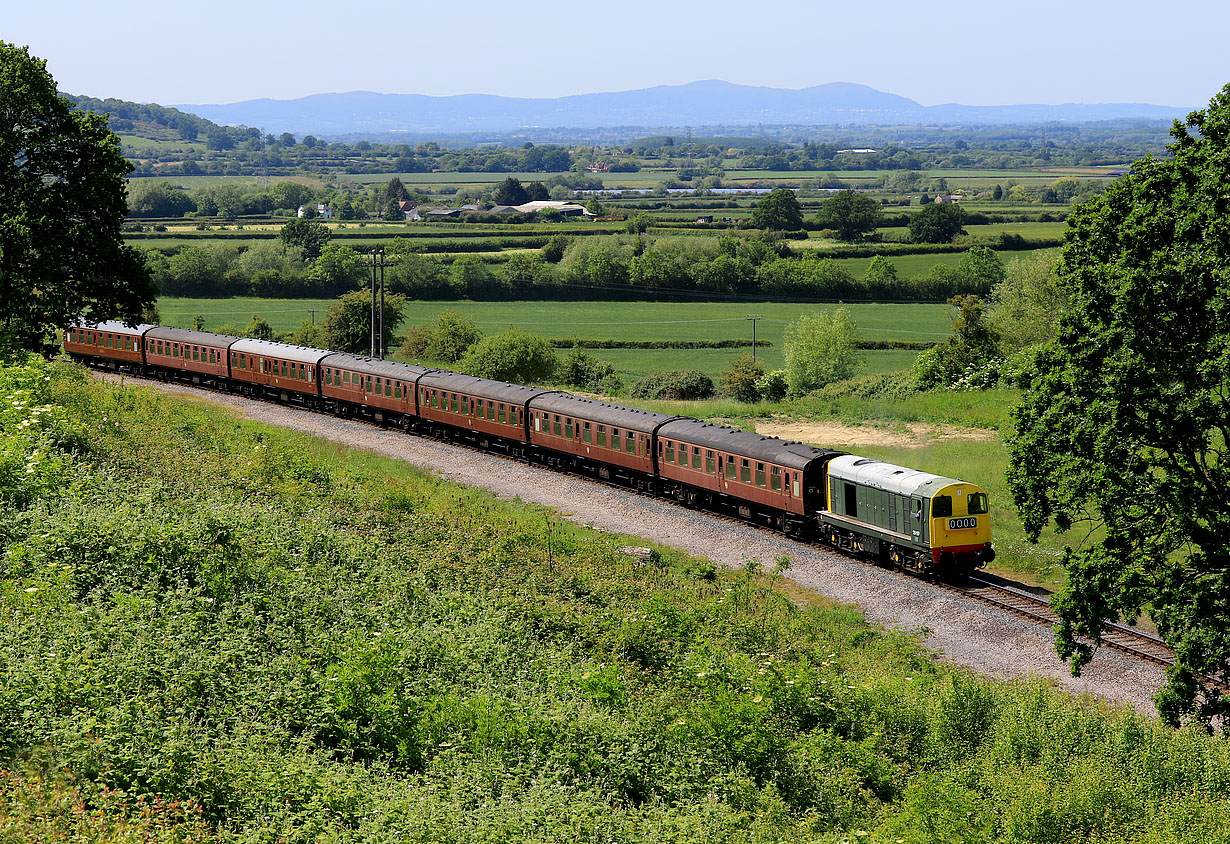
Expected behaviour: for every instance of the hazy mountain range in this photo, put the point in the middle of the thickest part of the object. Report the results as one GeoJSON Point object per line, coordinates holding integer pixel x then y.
{"type": "Point", "coordinates": [698, 103]}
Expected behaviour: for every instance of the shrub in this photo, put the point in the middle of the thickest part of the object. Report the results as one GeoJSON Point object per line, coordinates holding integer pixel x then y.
{"type": "Point", "coordinates": [741, 379]}
{"type": "Point", "coordinates": [681, 385]}
{"type": "Point", "coordinates": [513, 356]}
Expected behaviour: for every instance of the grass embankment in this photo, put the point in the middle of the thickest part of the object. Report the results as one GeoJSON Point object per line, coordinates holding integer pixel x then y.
{"type": "Point", "coordinates": [215, 630]}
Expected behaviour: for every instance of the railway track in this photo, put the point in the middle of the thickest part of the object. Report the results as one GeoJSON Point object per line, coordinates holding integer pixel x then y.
{"type": "Point", "coordinates": [1129, 640]}
{"type": "Point", "coordinates": [1024, 604]}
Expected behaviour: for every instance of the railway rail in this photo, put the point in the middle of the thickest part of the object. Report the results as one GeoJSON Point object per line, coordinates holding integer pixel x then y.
{"type": "Point", "coordinates": [1128, 640]}
{"type": "Point", "coordinates": [1132, 642]}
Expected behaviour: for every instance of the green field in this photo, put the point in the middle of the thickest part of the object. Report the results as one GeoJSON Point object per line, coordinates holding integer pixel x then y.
{"type": "Point", "coordinates": [605, 320]}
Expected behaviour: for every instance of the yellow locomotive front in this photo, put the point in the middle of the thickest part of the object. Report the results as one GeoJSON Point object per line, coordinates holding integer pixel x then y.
{"type": "Point", "coordinates": [960, 527]}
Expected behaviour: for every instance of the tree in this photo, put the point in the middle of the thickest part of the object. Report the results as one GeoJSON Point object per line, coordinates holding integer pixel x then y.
{"type": "Point", "coordinates": [62, 257]}
{"type": "Point", "coordinates": [851, 215]}
{"type": "Point", "coordinates": [395, 191]}
{"type": "Point", "coordinates": [338, 269]}
{"type": "Point", "coordinates": [512, 356]}
{"type": "Point", "coordinates": [258, 328]}
{"type": "Point", "coordinates": [981, 269]}
{"type": "Point", "coordinates": [536, 191]}
{"type": "Point", "coordinates": [452, 337]}
{"type": "Point", "coordinates": [819, 350]}
{"type": "Point", "coordinates": [1124, 423]}
{"type": "Point", "coordinates": [741, 379]}
{"type": "Point", "coordinates": [639, 224]}
{"type": "Point", "coordinates": [937, 223]}
{"type": "Point", "coordinates": [511, 192]}
{"type": "Point", "coordinates": [881, 270]}
{"type": "Point", "coordinates": [347, 326]}
{"type": "Point", "coordinates": [779, 211]}
{"type": "Point", "coordinates": [583, 371]}
{"type": "Point", "coordinates": [308, 235]}
{"type": "Point", "coordinates": [1027, 305]}
{"type": "Point", "coordinates": [973, 342]}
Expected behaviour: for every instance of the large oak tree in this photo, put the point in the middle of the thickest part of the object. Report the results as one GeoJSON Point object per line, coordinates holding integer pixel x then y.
{"type": "Point", "coordinates": [1121, 437]}
{"type": "Point", "coordinates": [62, 202]}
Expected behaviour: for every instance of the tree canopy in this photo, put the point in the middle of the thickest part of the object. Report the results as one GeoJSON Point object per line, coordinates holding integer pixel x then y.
{"type": "Point", "coordinates": [819, 350]}
{"type": "Point", "coordinates": [513, 356]}
{"type": "Point", "coordinates": [778, 211]}
{"type": "Point", "coordinates": [1124, 427]}
{"type": "Point", "coordinates": [936, 223]}
{"type": "Point", "coordinates": [62, 202]}
{"type": "Point", "coordinates": [851, 215]}
{"type": "Point", "coordinates": [511, 192]}
{"type": "Point", "coordinates": [347, 325]}
{"type": "Point", "coordinates": [309, 235]}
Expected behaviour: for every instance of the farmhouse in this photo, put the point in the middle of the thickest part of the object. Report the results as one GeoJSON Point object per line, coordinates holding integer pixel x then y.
{"type": "Point", "coordinates": [324, 212]}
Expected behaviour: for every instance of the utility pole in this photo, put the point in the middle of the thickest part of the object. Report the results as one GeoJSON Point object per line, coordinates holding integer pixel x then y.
{"type": "Point", "coordinates": [312, 311]}
{"type": "Point", "coordinates": [754, 320]}
{"type": "Point", "coordinates": [378, 317]}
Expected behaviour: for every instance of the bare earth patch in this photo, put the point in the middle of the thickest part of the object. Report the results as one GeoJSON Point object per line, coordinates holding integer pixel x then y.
{"type": "Point", "coordinates": [899, 435]}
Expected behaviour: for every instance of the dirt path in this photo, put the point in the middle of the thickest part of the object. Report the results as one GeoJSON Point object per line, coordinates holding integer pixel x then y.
{"type": "Point", "coordinates": [899, 435]}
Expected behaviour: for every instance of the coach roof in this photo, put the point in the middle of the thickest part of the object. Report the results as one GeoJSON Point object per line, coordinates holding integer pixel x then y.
{"type": "Point", "coordinates": [645, 421]}
{"type": "Point", "coordinates": [372, 366]}
{"type": "Point", "coordinates": [115, 327]}
{"type": "Point", "coordinates": [269, 349]}
{"type": "Point", "coordinates": [485, 388]}
{"type": "Point", "coordinates": [185, 335]}
{"type": "Point", "coordinates": [744, 443]}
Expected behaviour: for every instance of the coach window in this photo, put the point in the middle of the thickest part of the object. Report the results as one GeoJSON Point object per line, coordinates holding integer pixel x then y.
{"type": "Point", "coordinates": [514, 416]}
{"type": "Point", "coordinates": [760, 474]}
{"type": "Point", "coordinates": [614, 438]}
{"type": "Point", "coordinates": [632, 446]}
{"type": "Point", "coordinates": [710, 463]}
{"type": "Point", "coordinates": [745, 471]}
{"type": "Point", "coordinates": [586, 434]}
{"type": "Point", "coordinates": [775, 479]}
{"type": "Point", "coordinates": [397, 389]}
{"type": "Point", "coordinates": [503, 412]}
{"type": "Point", "coordinates": [602, 436]}
{"type": "Point", "coordinates": [670, 452]}
{"type": "Point", "coordinates": [941, 506]}
{"type": "Point", "coordinates": [537, 422]}
{"type": "Point", "coordinates": [696, 457]}
{"type": "Point", "coordinates": [567, 427]}
{"type": "Point", "coordinates": [452, 402]}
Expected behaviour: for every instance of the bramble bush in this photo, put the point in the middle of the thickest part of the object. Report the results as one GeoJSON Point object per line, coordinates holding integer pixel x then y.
{"type": "Point", "coordinates": [232, 633]}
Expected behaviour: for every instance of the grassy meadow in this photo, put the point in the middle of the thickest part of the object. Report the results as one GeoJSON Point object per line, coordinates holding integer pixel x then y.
{"type": "Point", "coordinates": [219, 631]}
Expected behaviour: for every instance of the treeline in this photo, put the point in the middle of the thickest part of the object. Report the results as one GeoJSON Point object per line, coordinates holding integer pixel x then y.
{"type": "Point", "coordinates": [590, 268]}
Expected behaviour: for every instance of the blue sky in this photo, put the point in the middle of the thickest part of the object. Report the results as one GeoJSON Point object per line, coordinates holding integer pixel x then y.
{"type": "Point", "coordinates": [976, 53]}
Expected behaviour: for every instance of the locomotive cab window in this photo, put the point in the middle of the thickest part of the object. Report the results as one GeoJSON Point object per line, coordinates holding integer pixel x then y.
{"type": "Point", "coordinates": [977, 503]}
{"type": "Point", "coordinates": [941, 506]}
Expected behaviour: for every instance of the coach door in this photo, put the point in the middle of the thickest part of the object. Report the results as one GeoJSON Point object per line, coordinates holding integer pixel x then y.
{"type": "Point", "coordinates": [722, 471]}
{"type": "Point", "coordinates": [918, 520]}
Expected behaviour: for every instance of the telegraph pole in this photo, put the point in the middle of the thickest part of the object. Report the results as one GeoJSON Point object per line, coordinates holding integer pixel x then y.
{"type": "Point", "coordinates": [754, 320]}
{"type": "Point", "coordinates": [378, 316]}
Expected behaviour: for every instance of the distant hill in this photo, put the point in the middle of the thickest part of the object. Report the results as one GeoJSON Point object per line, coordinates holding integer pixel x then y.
{"type": "Point", "coordinates": [698, 103]}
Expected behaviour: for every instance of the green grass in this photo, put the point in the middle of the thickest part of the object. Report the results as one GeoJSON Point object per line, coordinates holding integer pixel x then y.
{"type": "Point", "coordinates": [218, 631]}
{"type": "Point", "coordinates": [600, 320]}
